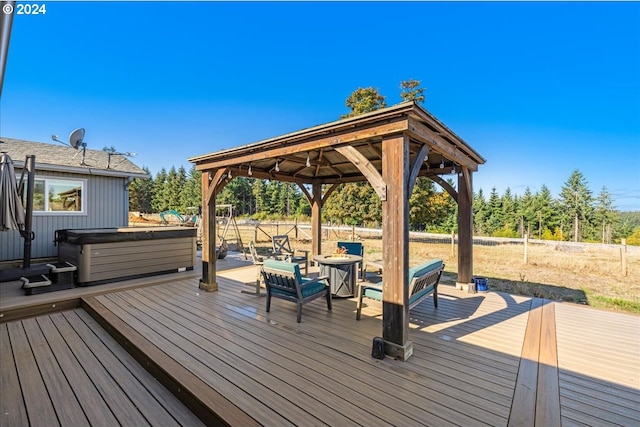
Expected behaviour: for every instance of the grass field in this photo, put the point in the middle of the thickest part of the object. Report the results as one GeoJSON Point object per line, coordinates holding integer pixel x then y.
{"type": "Point", "coordinates": [591, 277]}
{"type": "Point", "coordinates": [584, 276]}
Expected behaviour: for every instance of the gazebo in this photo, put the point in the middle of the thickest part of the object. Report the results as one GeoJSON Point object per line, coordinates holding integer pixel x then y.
{"type": "Point", "coordinates": [390, 148]}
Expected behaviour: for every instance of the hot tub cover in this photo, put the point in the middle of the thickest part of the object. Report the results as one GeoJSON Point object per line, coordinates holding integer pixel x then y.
{"type": "Point", "coordinates": [123, 234]}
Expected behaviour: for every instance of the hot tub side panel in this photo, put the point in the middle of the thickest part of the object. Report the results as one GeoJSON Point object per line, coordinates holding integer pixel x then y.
{"type": "Point", "coordinates": [103, 262]}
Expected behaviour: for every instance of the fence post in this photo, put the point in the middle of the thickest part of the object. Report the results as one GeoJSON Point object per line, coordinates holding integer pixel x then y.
{"type": "Point", "coordinates": [255, 234]}
{"type": "Point", "coordinates": [453, 243]}
{"type": "Point", "coordinates": [526, 248]}
{"type": "Point", "coordinates": [353, 233]}
{"type": "Point", "coordinates": [623, 256]}
{"type": "Point", "coordinates": [296, 227]}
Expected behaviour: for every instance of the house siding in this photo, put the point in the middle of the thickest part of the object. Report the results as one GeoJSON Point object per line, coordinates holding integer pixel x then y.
{"type": "Point", "coordinates": [107, 205]}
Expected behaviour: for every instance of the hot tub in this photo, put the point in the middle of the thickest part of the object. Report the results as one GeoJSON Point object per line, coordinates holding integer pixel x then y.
{"type": "Point", "coordinates": [111, 254]}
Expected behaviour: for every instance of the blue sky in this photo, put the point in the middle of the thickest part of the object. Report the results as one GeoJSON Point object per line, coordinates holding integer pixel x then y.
{"type": "Point", "coordinates": [538, 89]}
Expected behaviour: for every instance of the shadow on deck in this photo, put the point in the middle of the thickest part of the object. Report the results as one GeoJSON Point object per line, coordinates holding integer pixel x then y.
{"type": "Point", "coordinates": [484, 359]}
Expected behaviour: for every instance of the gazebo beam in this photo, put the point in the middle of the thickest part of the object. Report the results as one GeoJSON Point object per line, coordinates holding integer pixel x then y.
{"type": "Point", "coordinates": [335, 139]}
{"type": "Point", "coordinates": [422, 133]}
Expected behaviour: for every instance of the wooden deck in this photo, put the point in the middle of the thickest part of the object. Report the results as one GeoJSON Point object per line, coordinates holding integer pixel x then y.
{"type": "Point", "coordinates": [484, 359]}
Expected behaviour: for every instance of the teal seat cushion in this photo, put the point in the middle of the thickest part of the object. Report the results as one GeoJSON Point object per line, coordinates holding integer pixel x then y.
{"type": "Point", "coordinates": [312, 289]}
{"type": "Point", "coordinates": [306, 291]}
{"type": "Point", "coordinates": [373, 292]}
{"type": "Point", "coordinates": [289, 267]}
{"type": "Point", "coordinates": [424, 268]}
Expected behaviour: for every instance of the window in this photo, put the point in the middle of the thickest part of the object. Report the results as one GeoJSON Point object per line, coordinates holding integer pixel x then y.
{"type": "Point", "coordinates": [58, 195]}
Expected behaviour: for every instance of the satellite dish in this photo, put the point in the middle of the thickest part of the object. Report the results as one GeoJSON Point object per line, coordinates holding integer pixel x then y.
{"type": "Point", "coordinates": [76, 137]}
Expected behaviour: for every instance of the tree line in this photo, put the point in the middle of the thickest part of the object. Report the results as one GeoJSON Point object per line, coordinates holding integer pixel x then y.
{"type": "Point", "coordinates": [576, 215]}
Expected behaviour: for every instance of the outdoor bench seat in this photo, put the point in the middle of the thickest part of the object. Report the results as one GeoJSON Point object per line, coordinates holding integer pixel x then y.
{"type": "Point", "coordinates": [423, 281]}
{"type": "Point", "coordinates": [283, 280]}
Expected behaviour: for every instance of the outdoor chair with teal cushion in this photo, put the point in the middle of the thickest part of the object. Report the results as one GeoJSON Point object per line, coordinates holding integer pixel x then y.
{"type": "Point", "coordinates": [283, 280]}
{"type": "Point", "coordinates": [354, 248]}
{"type": "Point", "coordinates": [423, 281]}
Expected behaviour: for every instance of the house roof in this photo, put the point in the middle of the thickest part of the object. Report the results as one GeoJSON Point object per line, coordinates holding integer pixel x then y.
{"type": "Point", "coordinates": [60, 158]}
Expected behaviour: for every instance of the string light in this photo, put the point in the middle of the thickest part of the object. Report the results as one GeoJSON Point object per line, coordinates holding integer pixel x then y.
{"type": "Point", "coordinates": [442, 163]}
{"type": "Point", "coordinates": [308, 160]}
{"type": "Point", "coordinates": [249, 172]}
{"type": "Point", "coordinates": [277, 167]}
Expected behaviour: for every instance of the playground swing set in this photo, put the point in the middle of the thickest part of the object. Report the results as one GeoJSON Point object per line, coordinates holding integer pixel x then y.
{"type": "Point", "coordinates": [227, 222]}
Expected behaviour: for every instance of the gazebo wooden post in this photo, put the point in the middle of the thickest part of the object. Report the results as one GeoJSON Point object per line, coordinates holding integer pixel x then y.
{"type": "Point", "coordinates": [395, 248]}
{"type": "Point", "coordinates": [316, 219]}
{"type": "Point", "coordinates": [210, 178]}
{"type": "Point", "coordinates": [465, 231]}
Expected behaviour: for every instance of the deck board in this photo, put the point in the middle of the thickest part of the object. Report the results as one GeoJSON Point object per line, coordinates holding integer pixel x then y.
{"type": "Point", "coordinates": [599, 366]}
{"type": "Point", "coordinates": [443, 393]}
{"type": "Point", "coordinates": [93, 405]}
{"type": "Point", "coordinates": [171, 404]}
{"type": "Point", "coordinates": [264, 368]}
{"type": "Point", "coordinates": [271, 349]}
{"type": "Point", "coordinates": [70, 378]}
{"type": "Point", "coordinates": [448, 392]}
{"type": "Point", "coordinates": [38, 404]}
{"type": "Point", "coordinates": [12, 406]}
{"type": "Point", "coordinates": [68, 410]}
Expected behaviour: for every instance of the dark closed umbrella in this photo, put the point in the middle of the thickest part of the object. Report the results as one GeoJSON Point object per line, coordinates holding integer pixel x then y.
{"type": "Point", "coordinates": [11, 210]}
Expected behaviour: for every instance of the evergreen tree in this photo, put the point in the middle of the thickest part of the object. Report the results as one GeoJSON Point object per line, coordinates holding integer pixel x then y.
{"type": "Point", "coordinates": [411, 91]}
{"type": "Point", "coordinates": [527, 213]}
{"type": "Point", "coordinates": [303, 208]}
{"type": "Point", "coordinates": [364, 100]}
{"type": "Point", "coordinates": [494, 221]}
{"type": "Point", "coordinates": [141, 193]}
{"type": "Point", "coordinates": [545, 212]}
{"type": "Point", "coordinates": [287, 199]}
{"type": "Point", "coordinates": [238, 193]}
{"type": "Point", "coordinates": [353, 204]}
{"type": "Point", "coordinates": [445, 211]}
{"type": "Point", "coordinates": [605, 214]}
{"type": "Point", "coordinates": [173, 188]}
{"type": "Point", "coordinates": [510, 217]}
{"type": "Point", "coordinates": [274, 204]}
{"type": "Point", "coordinates": [480, 213]}
{"type": "Point", "coordinates": [192, 194]}
{"type": "Point", "coordinates": [258, 190]}
{"type": "Point", "coordinates": [576, 201]}
{"type": "Point", "coordinates": [159, 200]}
{"type": "Point", "coordinates": [420, 207]}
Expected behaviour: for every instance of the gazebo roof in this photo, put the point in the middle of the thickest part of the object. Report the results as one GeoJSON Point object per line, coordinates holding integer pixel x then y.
{"type": "Point", "coordinates": [318, 154]}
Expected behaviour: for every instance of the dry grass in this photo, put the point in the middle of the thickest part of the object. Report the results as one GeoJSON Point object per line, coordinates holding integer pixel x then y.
{"type": "Point", "coordinates": [591, 277]}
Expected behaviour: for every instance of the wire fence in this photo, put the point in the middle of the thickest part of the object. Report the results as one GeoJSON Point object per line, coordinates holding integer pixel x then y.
{"type": "Point", "coordinates": [302, 231]}
{"type": "Point", "coordinates": [263, 231]}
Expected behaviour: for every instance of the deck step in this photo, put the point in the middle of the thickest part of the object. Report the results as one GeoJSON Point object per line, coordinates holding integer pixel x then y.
{"type": "Point", "coordinates": [32, 284]}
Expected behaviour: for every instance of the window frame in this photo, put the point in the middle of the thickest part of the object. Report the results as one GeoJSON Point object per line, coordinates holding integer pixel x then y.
{"type": "Point", "coordinates": [51, 180]}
